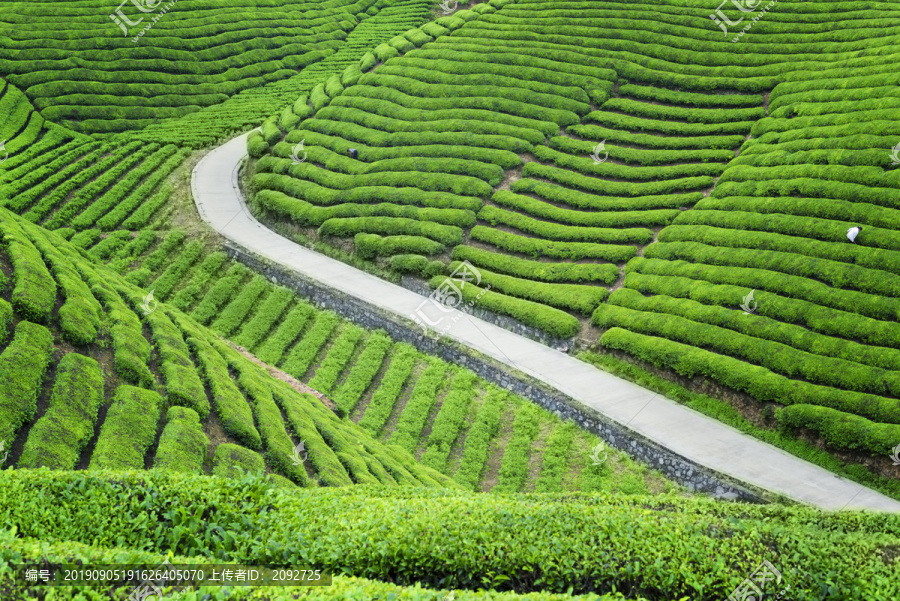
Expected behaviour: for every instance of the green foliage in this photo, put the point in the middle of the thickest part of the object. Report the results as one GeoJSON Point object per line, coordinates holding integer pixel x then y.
{"type": "Point", "coordinates": [58, 437]}
{"type": "Point", "coordinates": [362, 372]}
{"type": "Point", "coordinates": [555, 458]}
{"type": "Point", "coordinates": [555, 231]}
{"type": "Point", "coordinates": [269, 312]}
{"type": "Point", "coordinates": [340, 352]}
{"type": "Point", "coordinates": [182, 446]}
{"type": "Point", "coordinates": [128, 430]}
{"type": "Point", "coordinates": [231, 406]}
{"type": "Point", "coordinates": [271, 350]}
{"type": "Point", "coordinates": [22, 366]}
{"type": "Point", "coordinates": [583, 299]}
{"type": "Point", "coordinates": [758, 382]}
{"type": "Point", "coordinates": [34, 292]}
{"type": "Point", "coordinates": [372, 245]}
{"type": "Point", "coordinates": [536, 247]}
{"type": "Point", "coordinates": [514, 467]}
{"type": "Point", "coordinates": [649, 316]}
{"type": "Point", "coordinates": [256, 144]}
{"type": "Point", "coordinates": [842, 430]}
{"type": "Point", "coordinates": [537, 270]}
{"type": "Point", "coordinates": [232, 461]}
{"type": "Point", "coordinates": [391, 226]}
{"type": "Point", "coordinates": [233, 315]}
{"type": "Point", "coordinates": [400, 367]}
{"type": "Point", "coordinates": [305, 213]}
{"type": "Point", "coordinates": [418, 406]}
{"type": "Point", "coordinates": [300, 358]}
{"type": "Point", "coordinates": [484, 428]}
{"type": "Point", "coordinates": [416, 264]}
{"type": "Point", "coordinates": [553, 321]}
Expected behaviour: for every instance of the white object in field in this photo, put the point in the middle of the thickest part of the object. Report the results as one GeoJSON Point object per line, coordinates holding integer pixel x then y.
{"type": "Point", "coordinates": [852, 233]}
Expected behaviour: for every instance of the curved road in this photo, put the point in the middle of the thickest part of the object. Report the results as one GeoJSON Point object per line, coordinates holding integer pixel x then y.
{"type": "Point", "coordinates": [682, 430]}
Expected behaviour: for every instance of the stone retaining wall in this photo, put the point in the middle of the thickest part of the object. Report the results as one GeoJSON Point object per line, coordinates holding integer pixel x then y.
{"type": "Point", "coordinates": [680, 469]}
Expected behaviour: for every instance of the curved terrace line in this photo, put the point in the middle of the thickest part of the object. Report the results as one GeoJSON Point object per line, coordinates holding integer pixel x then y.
{"type": "Point", "coordinates": [698, 438]}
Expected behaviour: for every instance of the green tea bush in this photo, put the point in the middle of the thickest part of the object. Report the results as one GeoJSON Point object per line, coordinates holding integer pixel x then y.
{"type": "Point", "coordinates": [514, 466]}
{"type": "Point", "coordinates": [759, 382]}
{"type": "Point", "coordinates": [391, 226]}
{"type": "Point", "coordinates": [128, 430]}
{"type": "Point", "coordinates": [423, 397]}
{"type": "Point", "coordinates": [328, 467]}
{"type": "Point", "coordinates": [241, 305]}
{"type": "Point", "coordinates": [841, 430]}
{"type": "Point", "coordinates": [690, 98]}
{"type": "Point", "coordinates": [582, 299]}
{"type": "Point", "coordinates": [256, 144]}
{"type": "Point", "coordinates": [401, 362]}
{"type": "Point", "coordinates": [22, 366]}
{"type": "Point", "coordinates": [484, 428]}
{"type": "Point", "coordinates": [34, 291]}
{"type": "Point", "coordinates": [553, 321]}
{"type": "Point", "coordinates": [592, 184]}
{"type": "Point", "coordinates": [57, 438]}
{"type": "Point", "coordinates": [449, 420]}
{"type": "Point", "coordinates": [273, 347]}
{"type": "Point", "coordinates": [183, 444]}
{"type": "Point", "coordinates": [775, 356]}
{"type": "Point", "coordinates": [535, 247]}
{"type": "Point", "coordinates": [231, 461]}
{"type": "Point", "coordinates": [555, 231]}
{"type": "Point", "coordinates": [231, 406]}
{"type": "Point", "coordinates": [269, 312]}
{"type": "Point", "coordinates": [771, 319]}
{"type": "Point", "coordinates": [544, 210]}
{"type": "Point", "coordinates": [307, 214]}
{"type": "Point", "coordinates": [362, 372]}
{"type": "Point", "coordinates": [300, 358]}
{"type": "Point", "coordinates": [707, 142]}
{"type": "Point", "coordinates": [372, 245]}
{"type": "Point", "coordinates": [537, 270]}
{"type": "Point", "coordinates": [416, 264]}
{"type": "Point", "coordinates": [336, 360]}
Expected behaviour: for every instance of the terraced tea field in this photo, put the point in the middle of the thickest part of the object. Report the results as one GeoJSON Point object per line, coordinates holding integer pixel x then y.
{"type": "Point", "coordinates": [616, 183]}
{"type": "Point", "coordinates": [670, 202]}
{"type": "Point", "coordinates": [149, 62]}
{"type": "Point", "coordinates": [451, 420]}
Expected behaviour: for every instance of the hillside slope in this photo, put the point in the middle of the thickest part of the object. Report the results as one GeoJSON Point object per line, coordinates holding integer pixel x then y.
{"type": "Point", "coordinates": [632, 166]}
{"type": "Point", "coordinates": [132, 381]}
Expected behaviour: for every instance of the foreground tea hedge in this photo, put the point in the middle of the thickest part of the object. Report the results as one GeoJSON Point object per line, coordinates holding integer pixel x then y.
{"type": "Point", "coordinates": [660, 548]}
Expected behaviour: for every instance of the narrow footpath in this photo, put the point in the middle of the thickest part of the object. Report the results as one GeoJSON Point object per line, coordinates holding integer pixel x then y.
{"type": "Point", "coordinates": [680, 429]}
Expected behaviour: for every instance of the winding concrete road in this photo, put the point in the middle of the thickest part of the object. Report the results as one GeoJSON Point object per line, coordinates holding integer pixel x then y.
{"type": "Point", "coordinates": [682, 430]}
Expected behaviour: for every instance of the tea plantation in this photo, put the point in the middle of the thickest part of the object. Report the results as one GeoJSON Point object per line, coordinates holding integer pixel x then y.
{"type": "Point", "coordinates": [620, 174]}
{"type": "Point", "coordinates": [671, 201]}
